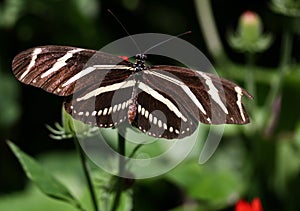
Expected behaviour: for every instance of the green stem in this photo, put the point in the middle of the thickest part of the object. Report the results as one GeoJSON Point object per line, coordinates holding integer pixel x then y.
{"type": "Point", "coordinates": [250, 82]}
{"type": "Point", "coordinates": [120, 181]}
{"type": "Point", "coordinates": [86, 173]}
{"type": "Point", "coordinates": [277, 83]}
{"type": "Point", "coordinates": [209, 30]}
{"type": "Point", "coordinates": [135, 150]}
{"type": "Point", "coordinates": [121, 143]}
{"type": "Point", "coordinates": [276, 86]}
{"type": "Point", "coordinates": [287, 42]}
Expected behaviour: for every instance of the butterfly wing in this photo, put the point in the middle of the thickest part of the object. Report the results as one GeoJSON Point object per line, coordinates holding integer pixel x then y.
{"type": "Point", "coordinates": [105, 105]}
{"type": "Point", "coordinates": [219, 101]}
{"type": "Point", "coordinates": [88, 78]}
{"type": "Point", "coordinates": [62, 70]}
{"type": "Point", "coordinates": [163, 109]}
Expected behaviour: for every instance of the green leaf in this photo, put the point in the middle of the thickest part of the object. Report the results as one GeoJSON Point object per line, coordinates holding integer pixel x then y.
{"type": "Point", "coordinates": [106, 189]}
{"type": "Point", "coordinates": [10, 11]}
{"type": "Point", "coordinates": [9, 106]}
{"type": "Point", "coordinates": [286, 7]}
{"type": "Point", "coordinates": [125, 203]}
{"type": "Point", "coordinates": [219, 182]}
{"type": "Point", "coordinates": [287, 162]}
{"type": "Point", "coordinates": [47, 183]}
{"type": "Point", "coordinates": [31, 199]}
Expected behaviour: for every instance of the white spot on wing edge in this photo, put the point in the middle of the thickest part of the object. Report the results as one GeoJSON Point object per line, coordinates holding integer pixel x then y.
{"type": "Point", "coordinates": [239, 92]}
{"type": "Point", "coordinates": [123, 105]}
{"type": "Point", "coordinates": [109, 111]}
{"type": "Point", "coordinates": [119, 107]}
{"type": "Point", "coordinates": [159, 123]}
{"type": "Point", "coordinates": [139, 108]}
{"type": "Point", "coordinates": [34, 55]}
{"type": "Point", "coordinates": [155, 120]}
{"type": "Point", "coordinates": [105, 111]}
{"type": "Point", "coordinates": [150, 117]}
{"type": "Point", "coordinates": [115, 108]}
{"type": "Point", "coordinates": [146, 114]}
{"type": "Point", "coordinates": [143, 111]}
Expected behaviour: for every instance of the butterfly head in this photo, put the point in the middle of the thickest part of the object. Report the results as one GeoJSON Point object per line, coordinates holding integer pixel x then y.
{"type": "Point", "coordinates": [140, 62]}
{"type": "Point", "coordinates": [141, 57]}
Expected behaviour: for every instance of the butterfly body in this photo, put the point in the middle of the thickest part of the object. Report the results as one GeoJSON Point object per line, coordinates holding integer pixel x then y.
{"type": "Point", "coordinates": [106, 90]}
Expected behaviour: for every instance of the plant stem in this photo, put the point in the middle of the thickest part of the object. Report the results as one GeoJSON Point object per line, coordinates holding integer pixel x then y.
{"type": "Point", "coordinates": [86, 173]}
{"type": "Point", "coordinates": [249, 80]}
{"type": "Point", "coordinates": [121, 143]}
{"type": "Point", "coordinates": [276, 86]}
{"type": "Point", "coordinates": [250, 84]}
{"type": "Point", "coordinates": [287, 42]}
{"type": "Point", "coordinates": [135, 150]}
{"type": "Point", "coordinates": [119, 183]}
{"type": "Point", "coordinates": [209, 30]}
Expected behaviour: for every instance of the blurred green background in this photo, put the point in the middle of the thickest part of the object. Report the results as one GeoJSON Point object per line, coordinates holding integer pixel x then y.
{"type": "Point", "coordinates": [257, 162]}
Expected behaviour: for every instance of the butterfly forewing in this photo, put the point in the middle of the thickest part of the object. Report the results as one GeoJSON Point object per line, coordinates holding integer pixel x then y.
{"type": "Point", "coordinates": [57, 69]}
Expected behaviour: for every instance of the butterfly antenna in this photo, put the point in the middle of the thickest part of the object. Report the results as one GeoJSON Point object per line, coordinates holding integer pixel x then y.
{"type": "Point", "coordinates": [117, 19]}
{"type": "Point", "coordinates": [167, 40]}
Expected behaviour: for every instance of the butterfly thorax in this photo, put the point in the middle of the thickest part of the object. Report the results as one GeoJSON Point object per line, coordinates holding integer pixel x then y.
{"type": "Point", "coordinates": [140, 62]}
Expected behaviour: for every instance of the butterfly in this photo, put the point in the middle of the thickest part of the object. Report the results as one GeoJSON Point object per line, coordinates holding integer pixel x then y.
{"type": "Point", "coordinates": [160, 100]}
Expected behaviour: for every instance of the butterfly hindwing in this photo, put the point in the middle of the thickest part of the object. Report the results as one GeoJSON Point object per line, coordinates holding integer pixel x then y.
{"type": "Point", "coordinates": [163, 110]}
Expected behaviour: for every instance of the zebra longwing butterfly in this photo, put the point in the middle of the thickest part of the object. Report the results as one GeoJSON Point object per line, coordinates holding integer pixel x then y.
{"type": "Point", "coordinates": [160, 100]}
